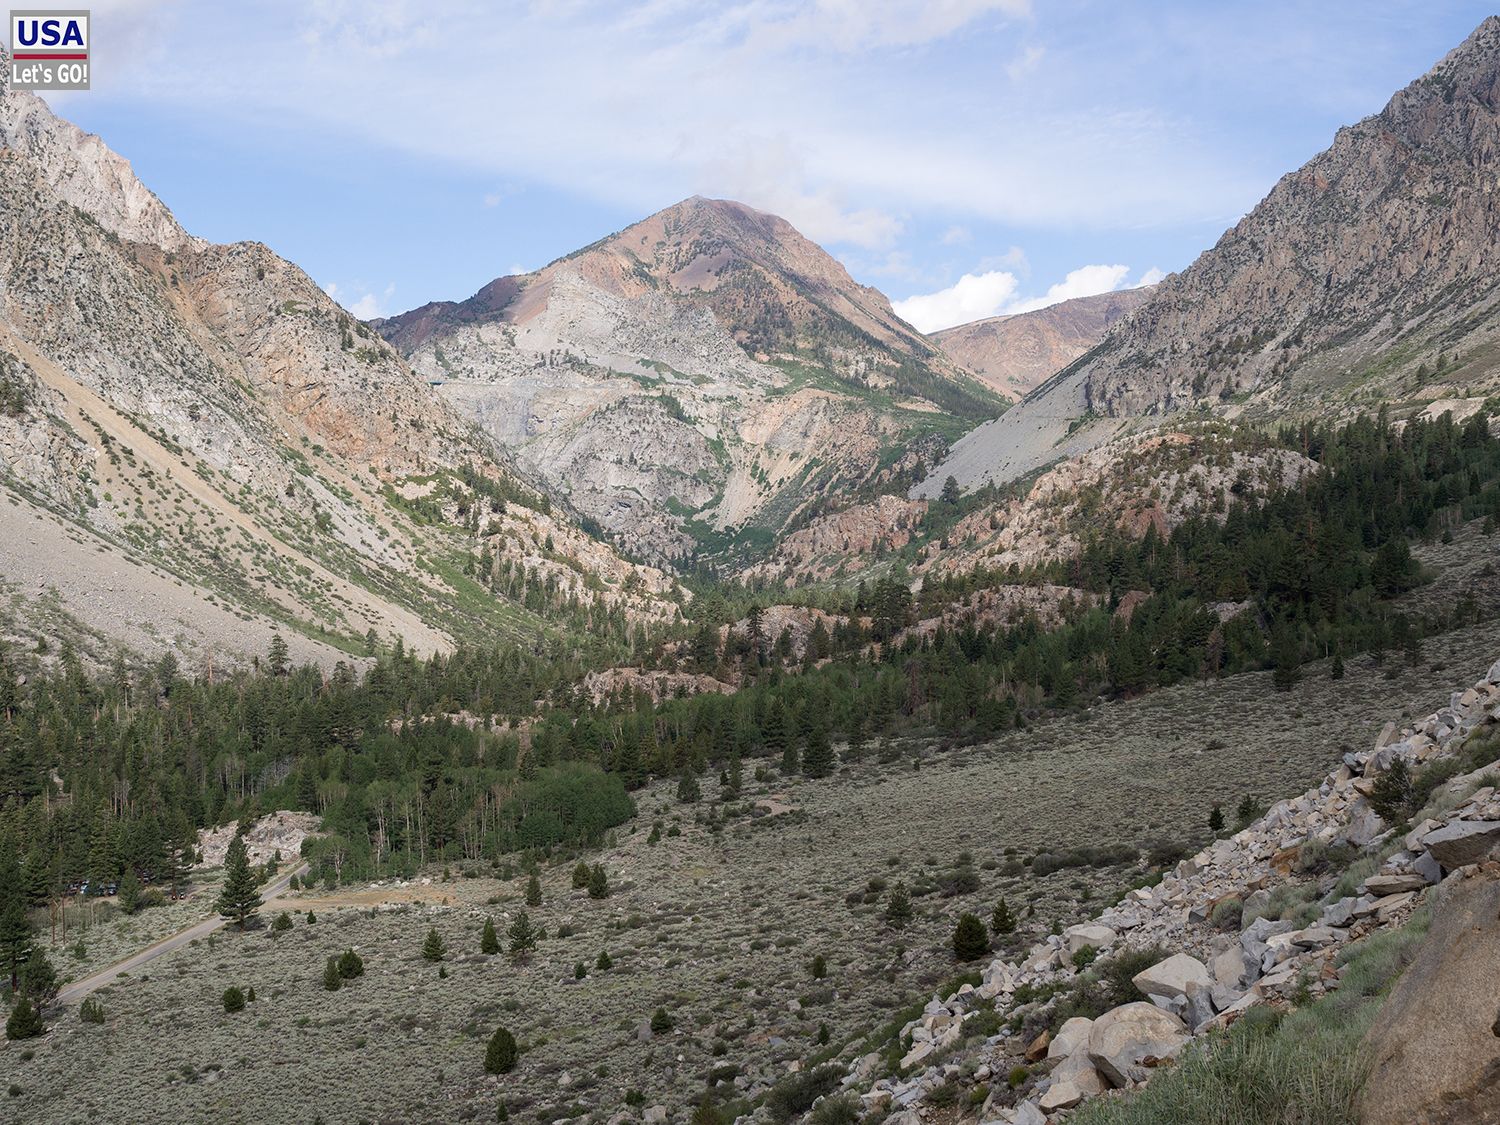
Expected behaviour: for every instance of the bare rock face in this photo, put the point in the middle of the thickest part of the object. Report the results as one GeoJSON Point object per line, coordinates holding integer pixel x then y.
{"type": "Point", "coordinates": [1433, 1046]}
{"type": "Point", "coordinates": [1016, 354]}
{"type": "Point", "coordinates": [1390, 234]}
{"type": "Point", "coordinates": [704, 373]}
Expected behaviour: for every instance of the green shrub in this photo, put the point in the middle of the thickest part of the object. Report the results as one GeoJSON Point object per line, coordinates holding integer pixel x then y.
{"type": "Point", "coordinates": [661, 1023]}
{"type": "Point", "coordinates": [501, 1054]}
{"type": "Point", "coordinates": [1226, 914]}
{"type": "Point", "coordinates": [970, 940]}
{"type": "Point", "coordinates": [25, 1021]}
{"type": "Point", "coordinates": [234, 999]}
{"type": "Point", "coordinates": [351, 965]}
{"type": "Point", "coordinates": [91, 1011]}
{"type": "Point", "coordinates": [796, 1093]}
{"type": "Point", "coordinates": [842, 1110]}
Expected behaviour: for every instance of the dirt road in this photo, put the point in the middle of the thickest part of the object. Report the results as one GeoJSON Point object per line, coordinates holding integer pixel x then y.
{"type": "Point", "coordinates": [81, 988]}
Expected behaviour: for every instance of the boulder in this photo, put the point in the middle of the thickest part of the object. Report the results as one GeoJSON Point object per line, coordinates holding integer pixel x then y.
{"type": "Point", "coordinates": [654, 1114]}
{"type": "Point", "coordinates": [1229, 967]}
{"type": "Point", "coordinates": [918, 1052]}
{"type": "Point", "coordinates": [1126, 1041]}
{"type": "Point", "coordinates": [1060, 1095]}
{"type": "Point", "coordinates": [1382, 885]}
{"type": "Point", "coordinates": [1027, 1113]}
{"type": "Point", "coordinates": [1170, 978]}
{"type": "Point", "coordinates": [1462, 842]}
{"type": "Point", "coordinates": [1427, 867]}
{"type": "Point", "coordinates": [1339, 913]}
{"type": "Point", "coordinates": [1036, 1050]}
{"type": "Point", "coordinates": [1088, 934]}
{"type": "Point", "coordinates": [1070, 1038]}
{"type": "Point", "coordinates": [1365, 826]}
{"type": "Point", "coordinates": [1388, 907]}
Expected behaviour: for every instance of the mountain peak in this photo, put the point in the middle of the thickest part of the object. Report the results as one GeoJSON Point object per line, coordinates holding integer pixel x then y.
{"type": "Point", "coordinates": [82, 169]}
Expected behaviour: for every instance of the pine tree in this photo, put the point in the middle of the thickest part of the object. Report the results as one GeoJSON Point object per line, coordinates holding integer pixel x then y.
{"type": "Point", "coordinates": [488, 942]}
{"type": "Point", "coordinates": [819, 967]}
{"type": "Point", "coordinates": [580, 971]}
{"type": "Point", "coordinates": [789, 758]}
{"type": "Point", "coordinates": [604, 963]}
{"type": "Point", "coordinates": [1336, 670]}
{"type": "Point", "coordinates": [15, 930]}
{"type": "Point", "coordinates": [500, 1056]}
{"type": "Point", "coordinates": [433, 948]}
{"type": "Point", "coordinates": [534, 892]}
{"type": "Point", "coordinates": [688, 790]}
{"type": "Point", "coordinates": [661, 1023]}
{"type": "Point", "coordinates": [130, 891]}
{"type": "Point", "coordinates": [282, 923]}
{"type": "Point", "coordinates": [351, 965]}
{"type": "Point", "coordinates": [333, 980]}
{"type": "Point", "coordinates": [817, 761]}
{"type": "Point", "coordinates": [240, 898]}
{"type": "Point", "coordinates": [580, 876]}
{"type": "Point", "coordinates": [970, 941]}
{"type": "Point", "coordinates": [898, 910]}
{"type": "Point", "coordinates": [279, 659]}
{"type": "Point", "coordinates": [38, 978]}
{"type": "Point", "coordinates": [598, 882]}
{"type": "Point", "coordinates": [523, 937]}
{"type": "Point", "coordinates": [1216, 819]}
{"type": "Point", "coordinates": [857, 739]}
{"type": "Point", "coordinates": [1002, 921]}
{"type": "Point", "coordinates": [234, 999]}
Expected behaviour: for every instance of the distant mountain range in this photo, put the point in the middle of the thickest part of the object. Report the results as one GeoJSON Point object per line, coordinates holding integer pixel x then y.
{"type": "Point", "coordinates": [1015, 354]}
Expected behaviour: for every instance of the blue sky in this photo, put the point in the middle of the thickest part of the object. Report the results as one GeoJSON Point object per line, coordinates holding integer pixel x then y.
{"type": "Point", "coordinates": [967, 157]}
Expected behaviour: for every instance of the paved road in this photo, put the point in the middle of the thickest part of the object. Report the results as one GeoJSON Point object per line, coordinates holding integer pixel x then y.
{"type": "Point", "coordinates": [81, 988]}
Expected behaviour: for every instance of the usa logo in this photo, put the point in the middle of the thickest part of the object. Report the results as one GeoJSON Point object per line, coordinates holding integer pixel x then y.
{"type": "Point", "coordinates": [49, 50]}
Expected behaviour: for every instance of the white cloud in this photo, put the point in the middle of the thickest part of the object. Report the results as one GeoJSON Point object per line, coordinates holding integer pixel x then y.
{"type": "Point", "coordinates": [1025, 64]}
{"type": "Point", "coordinates": [994, 293]}
{"type": "Point", "coordinates": [492, 199]}
{"type": "Point", "coordinates": [972, 297]}
{"type": "Point", "coordinates": [851, 25]}
{"type": "Point", "coordinates": [1082, 282]}
{"type": "Point", "coordinates": [772, 176]}
{"type": "Point", "coordinates": [638, 104]}
{"type": "Point", "coordinates": [955, 236]}
{"type": "Point", "coordinates": [1150, 277]}
{"type": "Point", "coordinates": [367, 306]}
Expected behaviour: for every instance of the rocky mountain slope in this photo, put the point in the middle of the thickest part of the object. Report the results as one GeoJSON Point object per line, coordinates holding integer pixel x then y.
{"type": "Point", "coordinates": [208, 418]}
{"type": "Point", "coordinates": [1015, 354]}
{"type": "Point", "coordinates": [1277, 914]}
{"type": "Point", "coordinates": [1155, 480]}
{"type": "Point", "coordinates": [1365, 276]}
{"type": "Point", "coordinates": [696, 381]}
